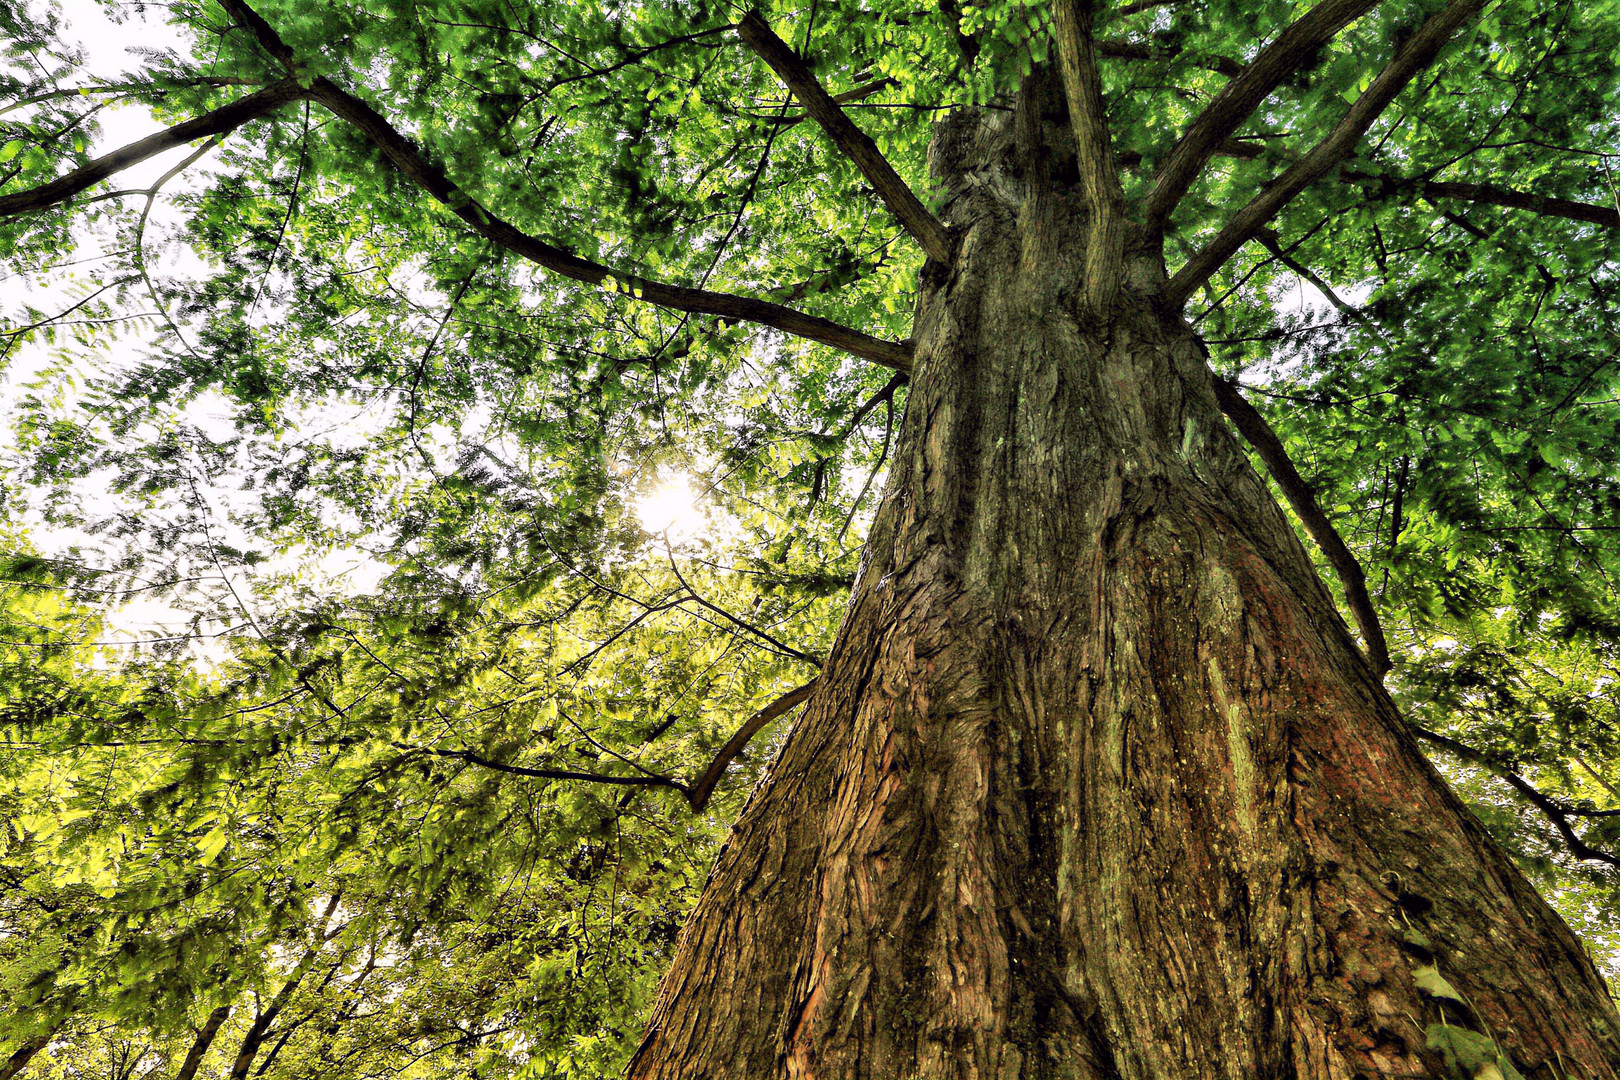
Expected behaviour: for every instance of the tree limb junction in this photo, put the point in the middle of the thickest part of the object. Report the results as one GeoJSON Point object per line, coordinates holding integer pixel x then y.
{"type": "Point", "coordinates": [1239, 98]}
{"type": "Point", "coordinates": [856, 145]}
{"type": "Point", "coordinates": [1416, 54]}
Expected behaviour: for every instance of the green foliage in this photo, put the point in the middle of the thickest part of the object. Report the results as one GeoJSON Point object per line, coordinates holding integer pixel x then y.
{"type": "Point", "coordinates": [291, 356]}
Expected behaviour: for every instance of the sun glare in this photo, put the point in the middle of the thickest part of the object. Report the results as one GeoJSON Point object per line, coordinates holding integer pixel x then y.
{"type": "Point", "coordinates": [671, 510]}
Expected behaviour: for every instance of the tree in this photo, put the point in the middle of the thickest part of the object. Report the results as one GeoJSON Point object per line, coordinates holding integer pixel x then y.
{"type": "Point", "coordinates": [1093, 779]}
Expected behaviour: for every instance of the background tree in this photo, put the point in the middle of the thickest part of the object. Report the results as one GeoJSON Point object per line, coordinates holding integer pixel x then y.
{"type": "Point", "coordinates": [1093, 780]}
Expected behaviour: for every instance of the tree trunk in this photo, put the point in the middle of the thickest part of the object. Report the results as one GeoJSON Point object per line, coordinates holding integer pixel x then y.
{"type": "Point", "coordinates": [20, 1057]}
{"type": "Point", "coordinates": [200, 1045]}
{"type": "Point", "coordinates": [1095, 782]}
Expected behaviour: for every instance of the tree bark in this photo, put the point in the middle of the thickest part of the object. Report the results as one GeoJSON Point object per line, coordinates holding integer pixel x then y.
{"type": "Point", "coordinates": [20, 1057]}
{"type": "Point", "coordinates": [1095, 782]}
{"type": "Point", "coordinates": [200, 1045]}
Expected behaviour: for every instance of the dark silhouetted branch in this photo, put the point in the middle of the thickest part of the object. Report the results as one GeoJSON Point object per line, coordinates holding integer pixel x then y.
{"type": "Point", "coordinates": [415, 166]}
{"type": "Point", "coordinates": [1259, 434]}
{"type": "Point", "coordinates": [225, 119]}
{"type": "Point", "coordinates": [1556, 812]}
{"type": "Point", "coordinates": [1493, 195]}
{"type": "Point", "coordinates": [1271, 242]}
{"type": "Point", "coordinates": [918, 220]}
{"type": "Point", "coordinates": [703, 787]}
{"type": "Point", "coordinates": [545, 774]}
{"type": "Point", "coordinates": [23, 1055]}
{"type": "Point", "coordinates": [200, 1045]}
{"type": "Point", "coordinates": [254, 1039]}
{"type": "Point", "coordinates": [1116, 49]}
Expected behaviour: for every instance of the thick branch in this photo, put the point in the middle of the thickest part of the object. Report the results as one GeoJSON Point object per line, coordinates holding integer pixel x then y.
{"type": "Point", "coordinates": [261, 1025]}
{"type": "Point", "coordinates": [23, 1055]}
{"type": "Point", "coordinates": [1492, 195]}
{"type": "Point", "coordinates": [226, 118]}
{"type": "Point", "coordinates": [1417, 53]}
{"type": "Point", "coordinates": [703, 787]}
{"type": "Point", "coordinates": [546, 774]}
{"type": "Point", "coordinates": [200, 1045]}
{"type": "Point", "coordinates": [427, 175]}
{"type": "Point", "coordinates": [918, 220]}
{"type": "Point", "coordinates": [1099, 173]}
{"type": "Point", "coordinates": [1550, 808]}
{"type": "Point", "coordinates": [1239, 98]}
{"type": "Point", "coordinates": [1259, 434]}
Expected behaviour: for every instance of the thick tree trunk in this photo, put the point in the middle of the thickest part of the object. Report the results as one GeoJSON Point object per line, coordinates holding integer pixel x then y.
{"type": "Point", "coordinates": [1096, 783]}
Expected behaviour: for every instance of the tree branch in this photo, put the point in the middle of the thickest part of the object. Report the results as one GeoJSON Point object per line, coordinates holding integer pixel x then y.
{"type": "Point", "coordinates": [848, 97]}
{"type": "Point", "coordinates": [1099, 172]}
{"type": "Point", "coordinates": [200, 1045]}
{"type": "Point", "coordinates": [1259, 434]}
{"type": "Point", "coordinates": [427, 175]}
{"type": "Point", "coordinates": [225, 119]}
{"type": "Point", "coordinates": [698, 795]}
{"type": "Point", "coordinates": [1417, 53]}
{"type": "Point", "coordinates": [918, 220]}
{"type": "Point", "coordinates": [1239, 98]}
{"type": "Point", "coordinates": [1554, 811]}
{"type": "Point", "coordinates": [1271, 242]}
{"type": "Point", "coordinates": [1118, 49]}
{"type": "Point", "coordinates": [545, 774]}
{"type": "Point", "coordinates": [23, 1055]}
{"type": "Point", "coordinates": [1492, 195]}
{"type": "Point", "coordinates": [778, 646]}
{"type": "Point", "coordinates": [256, 1032]}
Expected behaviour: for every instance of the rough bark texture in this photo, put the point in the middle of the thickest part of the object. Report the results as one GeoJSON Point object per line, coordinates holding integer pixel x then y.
{"type": "Point", "coordinates": [1095, 782]}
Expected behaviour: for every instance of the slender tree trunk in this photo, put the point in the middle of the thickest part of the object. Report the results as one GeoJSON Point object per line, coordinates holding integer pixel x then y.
{"type": "Point", "coordinates": [22, 1056]}
{"type": "Point", "coordinates": [204, 1040]}
{"type": "Point", "coordinates": [1095, 782]}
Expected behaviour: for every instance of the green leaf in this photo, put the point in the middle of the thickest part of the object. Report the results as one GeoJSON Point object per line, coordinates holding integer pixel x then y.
{"type": "Point", "coordinates": [1414, 936]}
{"type": "Point", "coordinates": [1431, 982]}
{"type": "Point", "coordinates": [1466, 1051]}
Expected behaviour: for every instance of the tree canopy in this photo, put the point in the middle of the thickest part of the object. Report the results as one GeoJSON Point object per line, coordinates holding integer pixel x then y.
{"type": "Point", "coordinates": [459, 287]}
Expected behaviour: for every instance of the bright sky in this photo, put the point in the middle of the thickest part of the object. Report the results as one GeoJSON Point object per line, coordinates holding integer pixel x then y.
{"type": "Point", "coordinates": [670, 510]}
{"type": "Point", "coordinates": [111, 48]}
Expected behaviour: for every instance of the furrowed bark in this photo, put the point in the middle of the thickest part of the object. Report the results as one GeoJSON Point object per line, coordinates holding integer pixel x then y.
{"type": "Point", "coordinates": [1258, 433]}
{"type": "Point", "coordinates": [1416, 54]}
{"type": "Point", "coordinates": [916, 218]}
{"type": "Point", "coordinates": [1094, 150]}
{"type": "Point", "coordinates": [1095, 784]}
{"type": "Point", "coordinates": [200, 1045]}
{"type": "Point", "coordinates": [431, 178]}
{"type": "Point", "coordinates": [1239, 98]}
{"type": "Point", "coordinates": [221, 121]}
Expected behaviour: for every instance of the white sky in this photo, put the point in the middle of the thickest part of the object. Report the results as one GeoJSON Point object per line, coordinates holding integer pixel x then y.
{"type": "Point", "coordinates": [112, 48]}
